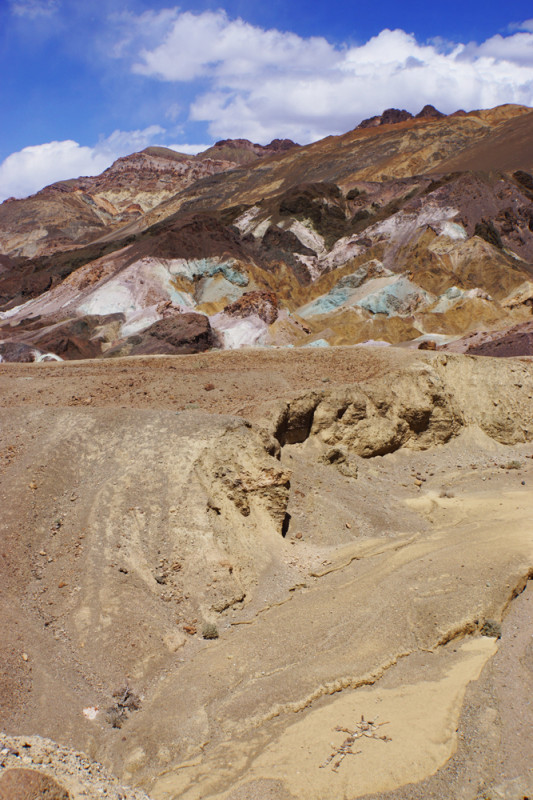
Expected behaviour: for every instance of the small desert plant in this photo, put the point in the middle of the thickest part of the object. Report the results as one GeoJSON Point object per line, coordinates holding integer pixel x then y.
{"type": "Point", "coordinates": [513, 465]}
{"type": "Point", "coordinates": [126, 701]}
{"type": "Point", "coordinates": [115, 717]}
{"type": "Point", "coordinates": [209, 631]}
{"type": "Point", "coordinates": [491, 628]}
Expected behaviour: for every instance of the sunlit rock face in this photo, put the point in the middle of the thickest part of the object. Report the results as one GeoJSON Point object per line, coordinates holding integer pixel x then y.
{"type": "Point", "coordinates": [384, 234]}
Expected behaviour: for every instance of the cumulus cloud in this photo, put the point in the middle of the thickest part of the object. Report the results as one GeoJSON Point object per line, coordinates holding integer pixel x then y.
{"type": "Point", "coordinates": [515, 49]}
{"type": "Point", "coordinates": [267, 83]}
{"type": "Point", "coordinates": [28, 170]}
{"type": "Point", "coordinates": [196, 45]}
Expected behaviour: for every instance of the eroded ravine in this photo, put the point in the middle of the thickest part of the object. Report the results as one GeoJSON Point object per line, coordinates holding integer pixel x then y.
{"type": "Point", "coordinates": [132, 524]}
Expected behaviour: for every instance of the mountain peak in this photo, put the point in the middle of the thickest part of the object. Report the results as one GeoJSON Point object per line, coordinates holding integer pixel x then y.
{"type": "Point", "coordinates": [392, 116]}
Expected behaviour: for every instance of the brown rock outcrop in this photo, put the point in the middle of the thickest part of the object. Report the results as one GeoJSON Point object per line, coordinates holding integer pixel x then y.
{"type": "Point", "coordinates": [178, 334]}
{"type": "Point", "coordinates": [429, 112]}
{"type": "Point", "coordinates": [391, 116]}
{"type": "Point", "coordinates": [17, 352]}
{"type": "Point", "coordinates": [516, 341]}
{"type": "Point", "coordinates": [242, 151]}
{"type": "Point", "coordinates": [264, 304]}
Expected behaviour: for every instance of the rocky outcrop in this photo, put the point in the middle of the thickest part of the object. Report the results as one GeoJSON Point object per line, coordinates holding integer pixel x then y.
{"type": "Point", "coordinates": [429, 112]}
{"type": "Point", "coordinates": [513, 342]}
{"type": "Point", "coordinates": [391, 116]}
{"type": "Point", "coordinates": [34, 768]}
{"type": "Point", "coordinates": [74, 339]}
{"type": "Point", "coordinates": [263, 304]}
{"type": "Point", "coordinates": [242, 151]}
{"type": "Point", "coordinates": [178, 334]}
{"type": "Point", "coordinates": [418, 412]}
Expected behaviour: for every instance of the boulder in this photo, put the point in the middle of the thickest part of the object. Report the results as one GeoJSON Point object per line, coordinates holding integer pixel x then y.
{"type": "Point", "coordinates": [179, 334]}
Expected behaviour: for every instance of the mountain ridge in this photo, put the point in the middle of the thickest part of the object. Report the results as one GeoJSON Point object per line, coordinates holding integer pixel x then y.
{"type": "Point", "coordinates": [380, 233]}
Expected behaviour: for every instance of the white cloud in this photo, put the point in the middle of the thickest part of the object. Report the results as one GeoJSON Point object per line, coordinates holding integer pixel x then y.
{"type": "Point", "coordinates": [195, 45]}
{"type": "Point", "coordinates": [173, 112]}
{"type": "Point", "coordinates": [34, 8]}
{"type": "Point", "coordinates": [527, 25]}
{"type": "Point", "coordinates": [268, 83]}
{"type": "Point", "coordinates": [28, 170]}
{"type": "Point", "coordinates": [517, 48]}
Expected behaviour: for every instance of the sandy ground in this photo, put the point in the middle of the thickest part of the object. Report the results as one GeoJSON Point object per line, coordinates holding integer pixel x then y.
{"type": "Point", "coordinates": [144, 498]}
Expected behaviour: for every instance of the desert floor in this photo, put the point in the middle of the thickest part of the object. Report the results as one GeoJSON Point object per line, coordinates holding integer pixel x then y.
{"type": "Point", "coordinates": [356, 523]}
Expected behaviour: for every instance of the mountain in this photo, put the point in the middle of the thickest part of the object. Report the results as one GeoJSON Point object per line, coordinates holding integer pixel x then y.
{"type": "Point", "coordinates": [412, 230]}
{"type": "Point", "coordinates": [223, 568]}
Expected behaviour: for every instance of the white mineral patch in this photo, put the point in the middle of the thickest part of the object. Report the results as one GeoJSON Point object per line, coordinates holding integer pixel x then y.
{"type": "Point", "coordinates": [402, 226]}
{"type": "Point", "coordinates": [236, 332]}
{"type": "Point", "coordinates": [12, 312]}
{"type": "Point", "coordinates": [260, 230]}
{"type": "Point", "coordinates": [111, 298]}
{"type": "Point", "coordinates": [453, 231]}
{"type": "Point", "coordinates": [307, 235]}
{"type": "Point", "coordinates": [374, 343]}
{"type": "Point", "coordinates": [317, 343]}
{"type": "Point", "coordinates": [517, 296]}
{"type": "Point", "coordinates": [342, 251]}
{"type": "Point", "coordinates": [245, 223]}
{"type": "Point", "coordinates": [140, 321]}
{"type": "Point", "coordinates": [141, 285]}
{"type": "Point", "coordinates": [480, 293]}
{"type": "Point", "coordinates": [46, 357]}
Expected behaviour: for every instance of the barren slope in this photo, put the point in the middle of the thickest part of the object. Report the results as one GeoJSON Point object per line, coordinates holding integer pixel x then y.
{"type": "Point", "coordinates": [349, 520]}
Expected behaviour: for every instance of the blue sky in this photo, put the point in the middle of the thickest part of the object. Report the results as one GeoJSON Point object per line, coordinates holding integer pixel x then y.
{"type": "Point", "coordinates": [82, 83]}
